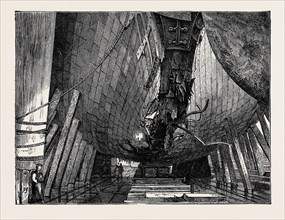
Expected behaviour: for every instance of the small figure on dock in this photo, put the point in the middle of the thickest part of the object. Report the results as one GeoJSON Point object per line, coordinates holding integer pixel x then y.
{"type": "Point", "coordinates": [37, 185]}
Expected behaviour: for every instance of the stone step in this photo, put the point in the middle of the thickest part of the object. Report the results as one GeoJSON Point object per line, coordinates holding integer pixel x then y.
{"type": "Point", "coordinates": [162, 200]}
{"type": "Point", "coordinates": [178, 198]}
{"type": "Point", "coordinates": [170, 194]}
{"type": "Point", "coordinates": [160, 190]}
{"type": "Point", "coordinates": [159, 187]}
{"type": "Point", "coordinates": [157, 180]}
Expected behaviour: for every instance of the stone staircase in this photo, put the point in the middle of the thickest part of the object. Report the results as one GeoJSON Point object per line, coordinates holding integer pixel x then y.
{"type": "Point", "coordinates": [169, 190]}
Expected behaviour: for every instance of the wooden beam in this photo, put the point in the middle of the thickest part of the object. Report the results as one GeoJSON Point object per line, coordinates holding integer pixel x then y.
{"type": "Point", "coordinates": [225, 166]}
{"type": "Point", "coordinates": [78, 162]}
{"type": "Point", "coordinates": [233, 137]}
{"type": "Point", "coordinates": [48, 159]}
{"type": "Point", "coordinates": [50, 136]}
{"type": "Point", "coordinates": [216, 165]}
{"type": "Point", "coordinates": [250, 153]}
{"type": "Point", "coordinates": [226, 154]}
{"type": "Point", "coordinates": [66, 152]}
{"type": "Point", "coordinates": [61, 142]}
{"type": "Point", "coordinates": [54, 103]}
{"type": "Point", "coordinates": [265, 128]}
{"type": "Point", "coordinates": [51, 119]}
{"type": "Point", "coordinates": [86, 162]}
{"type": "Point", "coordinates": [210, 161]}
{"type": "Point", "coordinates": [261, 140]}
{"type": "Point", "coordinates": [244, 151]}
{"type": "Point", "coordinates": [258, 152]}
{"type": "Point", "coordinates": [91, 165]}
{"type": "Point", "coordinates": [72, 159]}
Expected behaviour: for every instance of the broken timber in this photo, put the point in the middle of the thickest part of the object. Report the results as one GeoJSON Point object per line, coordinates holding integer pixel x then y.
{"type": "Point", "coordinates": [61, 142]}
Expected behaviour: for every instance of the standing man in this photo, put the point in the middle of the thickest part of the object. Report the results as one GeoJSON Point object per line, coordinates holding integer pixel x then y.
{"type": "Point", "coordinates": [37, 185]}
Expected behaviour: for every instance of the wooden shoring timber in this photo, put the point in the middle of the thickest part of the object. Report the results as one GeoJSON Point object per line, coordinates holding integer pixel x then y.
{"type": "Point", "coordinates": [210, 162]}
{"type": "Point", "coordinates": [264, 126]}
{"type": "Point", "coordinates": [50, 136]}
{"type": "Point", "coordinates": [258, 152]}
{"type": "Point", "coordinates": [91, 165]}
{"type": "Point", "coordinates": [244, 151]}
{"type": "Point", "coordinates": [216, 165]}
{"type": "Point", "coordinates": [48, 159]}
{"type": "Point", "coordinates": [250, 153]}
{"type": "Point", "coordinates": [54, 103]}
{"type": "Point", "coordinates": [261, 140]}
{"type": "Point", "coordinates": [66, 152]}
{"type": "Point", "coordinates": [51, 119]}
{"type": "Point", "coordinates": [225, 153]}
{"type": "Point", "coordinates": [233, 138]}
{"type": "Point", "coordinates": [72, 159]}
{"type": "Point", "coordinates": [78, 162]}
{"type": "Point", "coordinates": [86, 162]}
{"type": "Point", "coordinates": [61, 142]}
{"type": "Point", "coordinates": [225, 166]}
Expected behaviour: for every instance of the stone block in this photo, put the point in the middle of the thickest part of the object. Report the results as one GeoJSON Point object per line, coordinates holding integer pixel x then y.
{"type": "Point", "coordinates": [89, 40]}
{"type": "Point", "coordinates": [101, 80]}
{"type": "Point", "coordinates": [107, 107]}
{"type": "Point", "coordinates": [103, 16]}
{"type": "Point", "coordinates": [99, 33]}
{"type": "Point", "coordinates": [98, 94]}
{"type": "Point", "coordinates": [108, 27]}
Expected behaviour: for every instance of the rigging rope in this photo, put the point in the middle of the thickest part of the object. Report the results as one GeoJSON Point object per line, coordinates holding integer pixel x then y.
{"type": "Point", "coordinates": [125, 26]}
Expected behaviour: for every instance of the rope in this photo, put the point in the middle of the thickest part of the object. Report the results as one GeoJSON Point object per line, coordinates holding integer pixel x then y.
{"type": "Point", "coordinates": [125, 26]}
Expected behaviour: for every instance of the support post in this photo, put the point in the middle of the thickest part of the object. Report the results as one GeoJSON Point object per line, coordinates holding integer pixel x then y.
{"type": "Point", "coordinates": [54, 102]}
{"type": "Point", "coordinates": [250, 153]}
{"type": "Point", "coordinates": [86, 162]}
{"type": "Point", "coordinates": [66, 152]}
{"type": "Point", "coordinates": [72, 159]}
{"type": "Point", "coordinates": [226, 153]}
{"type": "Point", "coordinates": [244, 151]}
{"type": "Point", "coordinates": [61, 143]}
{"type": "Point", "coordinates": [265, 128]}
{"type": "Point", "coordinates": [233, 137]}
{"type": "Point", "coordinates": [91, 165]}
{"type": "Point", "coordinates": [261, 140]}
{"type": "Point", "coordinates": [78, 162]}
{"type": "Point", "coordinates": [259, 153]}
{"type": "Point", "coordinates": [50, 136]}
{"type": "Point", "coordinates": [224, 162]}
